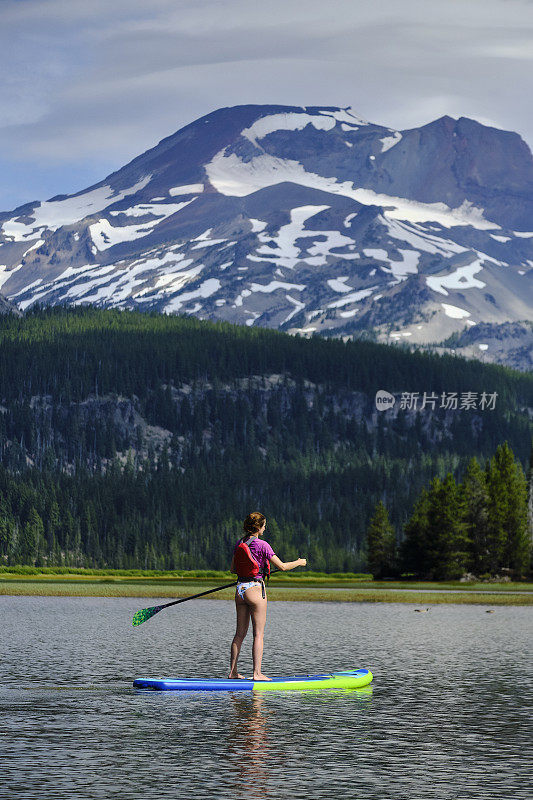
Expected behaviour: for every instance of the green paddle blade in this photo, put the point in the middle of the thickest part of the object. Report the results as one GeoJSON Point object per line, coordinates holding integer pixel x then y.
{"type": "Point", "coordinates": [145, 613]}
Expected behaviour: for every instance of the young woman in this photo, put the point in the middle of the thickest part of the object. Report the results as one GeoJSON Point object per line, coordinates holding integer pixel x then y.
{"type": "Point", "coordinates": [250, 596]}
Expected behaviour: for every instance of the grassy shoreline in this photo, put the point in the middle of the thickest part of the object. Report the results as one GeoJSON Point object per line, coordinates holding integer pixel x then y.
{"type": "Point", "coordinates": [353, 592]}
{"type": "Point", "coordinates": [291, 578]}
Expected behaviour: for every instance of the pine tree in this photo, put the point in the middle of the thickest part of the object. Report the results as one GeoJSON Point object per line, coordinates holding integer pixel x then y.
{"type": "Point", "coordinates": [518, 544]}
{"type": "Point", "coordinates": [53, 524]}
{"type": "Point", "coordinates": [447, 537]}
{"type": "Point", "coordinates": [507, 522]}
{"type": "Point", "coordinates": [436, 541]}
{"type": "Point", "coordinates": [6, 536]}
{"type": "Point", "coordinates": [530, 501]}
{"type": "Point", "coordinates": [31, 538]}
{"type": "Point", "coordinates": [414, 551]}
{"type": "Point", "coordinates": [381, 543]}
{"type": "Point", "coordinates": [476, 499]}
{"type": "Point", "coordinates": [495, 536]}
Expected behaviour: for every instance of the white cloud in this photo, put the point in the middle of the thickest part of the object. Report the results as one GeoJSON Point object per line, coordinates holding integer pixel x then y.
{"type": "Point", "coordinates": [523, 51]}
{"type": "Point", "coordinates": [102, 82]}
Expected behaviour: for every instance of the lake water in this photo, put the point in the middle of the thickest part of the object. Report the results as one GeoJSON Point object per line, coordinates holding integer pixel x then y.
{"type": "Point", "coordinates": [448, 717]}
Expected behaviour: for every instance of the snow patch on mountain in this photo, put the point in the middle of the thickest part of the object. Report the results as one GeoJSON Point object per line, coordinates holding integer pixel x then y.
{"type": "Point", "coordinates": [7, 272]}
{"type": "Point", "coordinates": [257, 225]}
{"type": "Point", "coordinates": [286, 122]}
{"type": "Point", "coordinates": [461, 278]}
{"type": "Point", "coordinates": [172, 281]}
{"type": "Point", "coordinates": [349, 218]}
{"type": "Point", "coordinates": [414, 211]}
{"type": "Point", "coordinates": [151, 209]}
{"type": "Point", "coordinates": [204, 240]}
{"type": "Point", "coordinates": [275, 285]}
{"type": "Point", "coordinates": [344, 115]}
{"type": "Point", "coordinates": [122, 280]}
{"type": "Point", "coordinates": [189, 188]}
{"type": "Point", "coordinates": [389, 141]}
{"type": "Point", "coordinates": [339, 285]}
{"type": "Point", "coordinates": [232, 176]}
{"type": "Point", "coordinates": [282, 248]}
{"type": "Point", "coordinates": [409, 263]}
{"type": "Point", "coordinates": [34, 246]}
{"type": "Point", "coordinates": [298, 306]}
{"type": "Point", "coordinates": [400, 269]}
{"type": "Point", "coordinates": [105, 235]}
{"type": "Point", "coordinates": [354, 297]}
{"type": "Point", "coordinates": [53, 214]}
{"type": "Point", "coordinates": [206, 289]}
{"type": "Point", "coordinates": [419, 238]}
{"type": "Point", "coordinates": [321, 250]}
{"type": "Point", "coordinates": [454, 311]}
{"type": "Point", "coordinates": [377, 253]}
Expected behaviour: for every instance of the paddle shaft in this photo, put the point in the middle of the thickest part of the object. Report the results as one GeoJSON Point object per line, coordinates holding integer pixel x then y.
{"type": "Point", "coordinates": [194, 596]}
{"type": "Point", "coordinates": [209, 591]}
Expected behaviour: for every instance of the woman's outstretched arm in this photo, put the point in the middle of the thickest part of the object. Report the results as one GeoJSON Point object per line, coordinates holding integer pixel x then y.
{"type": "Point", "coordinates": [286, 565]}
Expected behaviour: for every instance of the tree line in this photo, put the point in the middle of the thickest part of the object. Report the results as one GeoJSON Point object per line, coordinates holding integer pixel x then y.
{"type": "Point", "coordinates": [482, 525]}
{"type": "Point", "coordinates": [141, 441]}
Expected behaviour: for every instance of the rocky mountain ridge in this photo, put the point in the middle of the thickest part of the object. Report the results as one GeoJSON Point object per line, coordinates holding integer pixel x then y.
{"type": "Point", "coordinates": [8, 308]}
{"type": "Point", "coordinates": [310, 220]}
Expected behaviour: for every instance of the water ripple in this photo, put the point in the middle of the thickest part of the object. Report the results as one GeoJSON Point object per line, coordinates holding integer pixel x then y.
{"type": "Point", "coordinates": [448, 716]}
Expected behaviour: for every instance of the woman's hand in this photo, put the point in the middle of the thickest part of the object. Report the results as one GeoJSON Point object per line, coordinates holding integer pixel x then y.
{"type": "Point", "coordinates": [285, 565]}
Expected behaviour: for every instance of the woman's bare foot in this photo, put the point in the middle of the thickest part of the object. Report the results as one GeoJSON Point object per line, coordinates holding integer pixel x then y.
{"type": "Point", "coordinates": [236, 675]}
{"type": "Point", "coordinates": [261, 677]}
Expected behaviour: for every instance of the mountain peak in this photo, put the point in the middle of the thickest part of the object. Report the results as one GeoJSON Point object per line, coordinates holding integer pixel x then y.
{"type": "Point", "coordinates": [305, 218]}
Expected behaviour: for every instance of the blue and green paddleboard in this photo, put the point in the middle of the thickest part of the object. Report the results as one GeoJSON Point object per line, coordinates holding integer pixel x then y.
{"type": "Point", "coordinates": [333, 680]}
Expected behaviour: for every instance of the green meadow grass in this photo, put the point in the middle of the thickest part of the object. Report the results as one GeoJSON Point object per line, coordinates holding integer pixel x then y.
{"type": "Point", "coordinates": [116, 587]}
{"type": "Point", "coordinates": [173, 580]}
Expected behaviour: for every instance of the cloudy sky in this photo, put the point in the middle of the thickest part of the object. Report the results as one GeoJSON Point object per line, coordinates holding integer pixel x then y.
{"type": "Point", "coordinates": [89, 84]}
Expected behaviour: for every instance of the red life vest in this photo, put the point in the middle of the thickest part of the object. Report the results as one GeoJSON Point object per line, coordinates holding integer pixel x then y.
{"type": "Point", "coordinates": [245, 564]}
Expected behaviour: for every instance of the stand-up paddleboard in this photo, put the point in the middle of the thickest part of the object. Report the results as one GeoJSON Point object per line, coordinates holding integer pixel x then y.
{"type": "Point", "coordinates": [333, 680]}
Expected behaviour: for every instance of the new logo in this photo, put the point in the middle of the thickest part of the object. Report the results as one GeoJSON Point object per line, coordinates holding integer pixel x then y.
{"type": "Point", "coordinates": [384, 400]}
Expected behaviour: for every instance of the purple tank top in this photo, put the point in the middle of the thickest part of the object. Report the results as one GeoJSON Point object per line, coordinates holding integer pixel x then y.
{"type": "Point", "coordinates": [261, 551]}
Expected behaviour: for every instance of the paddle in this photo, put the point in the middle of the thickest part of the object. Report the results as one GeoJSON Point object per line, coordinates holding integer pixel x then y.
{"type": "Point", "coordinates": [145, 613]}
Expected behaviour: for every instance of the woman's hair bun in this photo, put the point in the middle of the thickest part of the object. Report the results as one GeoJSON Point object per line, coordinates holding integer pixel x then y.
{"type": "Point", "coordinates": [254, 522]}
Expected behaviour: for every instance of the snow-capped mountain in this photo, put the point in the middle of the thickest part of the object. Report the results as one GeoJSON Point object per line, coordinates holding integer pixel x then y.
{"type": "Point", "coordinates": [305, 219]}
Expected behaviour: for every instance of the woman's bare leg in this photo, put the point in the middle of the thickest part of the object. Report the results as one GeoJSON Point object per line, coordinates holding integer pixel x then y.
{"type": "Point", "coordinates": [243, 619]}
{"type": "Point", "coordinates": [258, 609]}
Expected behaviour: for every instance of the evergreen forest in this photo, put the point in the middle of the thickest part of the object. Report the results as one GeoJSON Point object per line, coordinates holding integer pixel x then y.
{"type": "Point", "coordinates": [134, 440]}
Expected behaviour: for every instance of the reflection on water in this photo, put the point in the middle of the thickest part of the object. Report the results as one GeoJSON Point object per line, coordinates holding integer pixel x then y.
{"type": "Point", "coordinates": [448, 715]}
{"type": "Point", "coordinates": [248, 745]}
